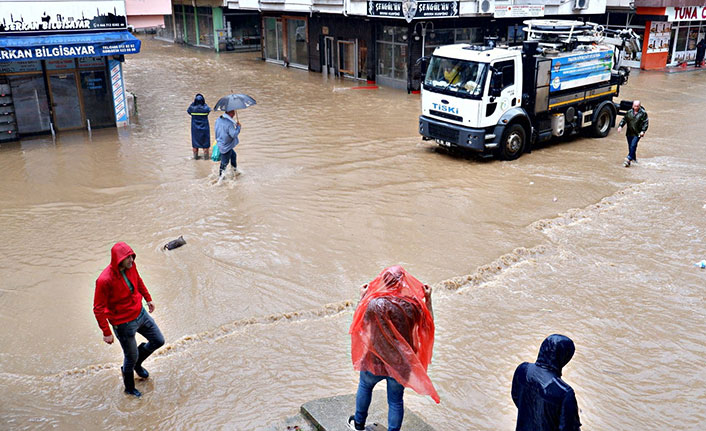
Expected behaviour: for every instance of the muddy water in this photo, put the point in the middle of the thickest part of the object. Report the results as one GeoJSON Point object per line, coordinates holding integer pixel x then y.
{"type": "Point", "coordinates": [336, 185]}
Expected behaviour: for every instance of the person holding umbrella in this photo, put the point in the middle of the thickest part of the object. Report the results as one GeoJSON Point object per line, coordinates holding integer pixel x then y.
{"type": "Point", "coordinates": [200, 130]}
{"type": "Point", "coordinates": [228, 129]}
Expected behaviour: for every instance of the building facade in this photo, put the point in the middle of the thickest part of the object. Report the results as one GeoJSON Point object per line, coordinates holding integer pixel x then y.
{"type": "Point", "coordinates": [380, 40]}
{"type": "Point", "coordinates": [669, 29]}
{"type": "Point", "coordinates": [60, 66]}
{"type": "Point", "coordinates": [208, 24]}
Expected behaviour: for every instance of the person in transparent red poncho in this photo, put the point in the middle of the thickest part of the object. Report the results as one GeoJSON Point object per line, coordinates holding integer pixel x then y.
{"type": "Point", "coordinates": [392, 337]}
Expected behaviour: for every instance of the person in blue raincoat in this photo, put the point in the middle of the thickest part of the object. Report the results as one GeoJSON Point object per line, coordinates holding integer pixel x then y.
{"type": "Point", "coordinates": [544, 401]}
{"type": "Point", "coordinates": [200, 129]}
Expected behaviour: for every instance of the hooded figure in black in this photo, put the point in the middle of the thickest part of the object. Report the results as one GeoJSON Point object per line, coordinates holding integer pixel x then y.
{"type": "Point", "coordinates": [544, 401]}
{"type": "Point", "coordinates": [200, 129]}
{"type": "Point", "coordinates": [700, 51]}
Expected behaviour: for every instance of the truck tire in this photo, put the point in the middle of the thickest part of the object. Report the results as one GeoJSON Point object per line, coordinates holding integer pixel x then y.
{"type": "Point", "coordinates": [601, 127]}
{"type": "Point", "coordinates": [513, 142]}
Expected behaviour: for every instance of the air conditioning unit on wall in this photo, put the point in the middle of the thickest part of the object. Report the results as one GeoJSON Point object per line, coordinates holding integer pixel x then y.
{"type": "Point", "coordinates": [486, 6]}
{"type": "Point", "coordinates": [581, 4]}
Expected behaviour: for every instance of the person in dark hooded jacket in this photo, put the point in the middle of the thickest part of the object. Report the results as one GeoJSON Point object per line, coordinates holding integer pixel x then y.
{"type": "Point", "coordinates": [700, 52]}
{"type": "Point", "coordinates": [200, 129]}
{"type": "Point", "coordinates": [118, 303]}
{"type": "Point", "coordinates": [544, 401]}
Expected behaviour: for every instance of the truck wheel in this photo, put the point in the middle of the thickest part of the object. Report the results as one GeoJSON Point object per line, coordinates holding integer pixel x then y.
{"type": "Point", "coordinates": [601, 127]}
{"type": "Point", "coordinates": [513, 142]}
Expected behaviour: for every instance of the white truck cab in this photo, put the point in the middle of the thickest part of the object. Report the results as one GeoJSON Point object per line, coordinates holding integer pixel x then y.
{"type": "Point", "coordinates": [498, 101]}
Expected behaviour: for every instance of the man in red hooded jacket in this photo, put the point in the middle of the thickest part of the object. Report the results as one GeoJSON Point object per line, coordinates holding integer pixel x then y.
{"type": "Point", "coordinates": [118, 303]}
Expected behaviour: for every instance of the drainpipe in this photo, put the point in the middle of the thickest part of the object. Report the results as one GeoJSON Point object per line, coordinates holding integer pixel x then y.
{"type": "Point", "coordinates": [345, 8]}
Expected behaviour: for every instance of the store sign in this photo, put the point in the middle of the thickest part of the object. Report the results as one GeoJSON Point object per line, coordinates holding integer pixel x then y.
{"type": "Point", "coordinates": [412, 9]}
{"type": "Point", "coordinates": [687, 13]}
{"type": "Point", "coordinates": [46, 52]}
{"type": "Point", "coordinates": [28, 17]}
{"type": "Point", "coordinates": [21, 66]}
{"type": "Point", "coordinates": [518, 11]}
{"type": "Point", "coordinates": [119, 99]}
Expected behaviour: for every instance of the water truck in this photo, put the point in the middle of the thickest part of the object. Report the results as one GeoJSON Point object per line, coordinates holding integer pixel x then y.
{"type": "Point", "coordinates": [503, 100]}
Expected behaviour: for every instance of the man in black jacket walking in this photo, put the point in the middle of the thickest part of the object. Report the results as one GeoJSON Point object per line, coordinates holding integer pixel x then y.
{"type": "Point", "coordinates": [544, 401]}
{"type": "Point", "coordinates": [637, 122]}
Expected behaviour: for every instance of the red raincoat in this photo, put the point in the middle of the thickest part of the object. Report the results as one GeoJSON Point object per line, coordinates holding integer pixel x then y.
{"type": "Point", "coordinates": [113, 302]}
{"type": "Point", "coordinates": [393, 331]}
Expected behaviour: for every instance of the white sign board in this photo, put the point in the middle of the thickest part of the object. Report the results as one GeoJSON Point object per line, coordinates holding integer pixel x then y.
{"type": "Point", "coordinates": [518, 11]}
{"type": "Point", "coordinates": [27, 17]}
{"type": "Point", "coordinates": [686, 13]}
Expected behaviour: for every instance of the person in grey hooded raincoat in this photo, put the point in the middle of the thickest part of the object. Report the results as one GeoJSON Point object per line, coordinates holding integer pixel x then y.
{"type": "Point", "coordinates": [544, 401]}
{"type": "Point", "coordinates": [227, 131]}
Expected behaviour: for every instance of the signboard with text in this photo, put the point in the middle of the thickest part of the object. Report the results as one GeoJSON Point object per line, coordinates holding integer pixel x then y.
{"type": "Point", "coordinates": [28, 17]}
{"type": "Point", "coordinates": [519, 11]}
{"type": "Point", "coordinates": [118, 88]}
{"type": "Point", "coordinates": [686, 13]}
{"type": "Point", "coordinates": [51, 51]}
{"type": "Point", "coordinates": [411, 9]}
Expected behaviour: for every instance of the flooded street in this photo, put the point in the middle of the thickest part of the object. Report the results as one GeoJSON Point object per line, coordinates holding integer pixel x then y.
{"type": "Point", "coordinates": [337, 185]}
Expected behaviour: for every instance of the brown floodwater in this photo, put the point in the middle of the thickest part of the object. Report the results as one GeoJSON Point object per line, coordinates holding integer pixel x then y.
{"type": "Point", "coordinates": [336, 185]}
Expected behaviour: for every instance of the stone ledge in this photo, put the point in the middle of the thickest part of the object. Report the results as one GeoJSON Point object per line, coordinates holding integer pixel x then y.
{"type": "Point", "coordinates": [331, 414]}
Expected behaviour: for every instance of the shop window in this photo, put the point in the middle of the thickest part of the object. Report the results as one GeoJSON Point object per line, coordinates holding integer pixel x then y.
{"type": "Point", "coordinates": [296, 46]}
{"type": "Point", "coordinates": [190, 26]}
{"type": "Point", "coordinates": [392, 53]}
{"type": "Point", "coordinates": [30, 103]}
{"type": "Point", "coordinates": [205, 21]}
{"type": "Point", "coordinates": [179, 24]}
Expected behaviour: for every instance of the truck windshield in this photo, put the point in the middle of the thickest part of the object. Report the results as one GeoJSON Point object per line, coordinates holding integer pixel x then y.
{"type": "Point", "coordinates": [458, 77]}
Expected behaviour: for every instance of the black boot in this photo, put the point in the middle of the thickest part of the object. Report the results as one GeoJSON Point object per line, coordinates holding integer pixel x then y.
{"type": "Point", "coordinates": [129, 381]}
{"type": "Point", "coordinates": [141, 356]}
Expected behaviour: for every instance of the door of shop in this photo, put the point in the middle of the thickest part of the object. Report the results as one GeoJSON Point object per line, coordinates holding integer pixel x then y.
{"type": "Point", "coordinates": [348, 58]}
{"type": "Point", "coordinates": [65, 100]}
{"type": "Point", "coordinates": [273, 40]}
{"type": "Point", "coordinates": [329, 66]}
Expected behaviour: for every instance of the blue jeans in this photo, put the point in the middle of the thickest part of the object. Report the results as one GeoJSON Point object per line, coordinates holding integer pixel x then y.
{"type": "Point", "coordinates": [395, 404]}
{"type": "Point", "coordinates": [125, 332]}
{"type": "Point", "coordinates": [632, 147]}
{"type": "Point", "coordinates": [228, 156]}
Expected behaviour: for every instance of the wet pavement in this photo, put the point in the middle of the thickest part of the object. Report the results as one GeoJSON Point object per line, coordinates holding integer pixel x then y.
{"type": "Point", "coordinates": [336, 185]}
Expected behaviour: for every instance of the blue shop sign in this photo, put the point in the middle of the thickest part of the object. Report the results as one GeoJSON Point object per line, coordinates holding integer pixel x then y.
{"type": "Point", "coordinates": [23, 48]}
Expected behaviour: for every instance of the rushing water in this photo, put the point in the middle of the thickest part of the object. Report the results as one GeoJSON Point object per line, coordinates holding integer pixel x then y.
{"type": "Point", "coordinates": [336, 185]}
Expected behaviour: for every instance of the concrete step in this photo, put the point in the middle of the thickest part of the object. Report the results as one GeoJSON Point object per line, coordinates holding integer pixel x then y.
{"type": "Point", "coordinates": [331, 414]}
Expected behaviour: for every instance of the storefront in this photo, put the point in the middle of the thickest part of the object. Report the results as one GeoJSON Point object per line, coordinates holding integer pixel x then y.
{"type": "Point", "coordinates": [286, 40]}
{"type": "Point", "coordinates": [68, 79]}
{"type": "Point", "coordinates": [671, 35]}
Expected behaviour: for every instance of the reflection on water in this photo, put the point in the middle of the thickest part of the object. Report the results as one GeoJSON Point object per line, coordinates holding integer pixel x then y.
{"type": "Point", "coordinates": [337, 185]}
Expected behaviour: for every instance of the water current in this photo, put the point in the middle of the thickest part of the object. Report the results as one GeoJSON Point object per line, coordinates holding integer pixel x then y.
{"type": "Point", "coordinates": [337, 185]}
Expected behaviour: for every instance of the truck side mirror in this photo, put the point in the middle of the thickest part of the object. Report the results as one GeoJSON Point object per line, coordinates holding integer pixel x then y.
{"type": "Point", "coordinates": [496, 84]}
{"type": "Point", "coordinates": [423, 63]}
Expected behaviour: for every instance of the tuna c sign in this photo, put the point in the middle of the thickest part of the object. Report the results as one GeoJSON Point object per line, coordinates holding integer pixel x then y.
{"type": "Point", "coordinates": [687, 13]}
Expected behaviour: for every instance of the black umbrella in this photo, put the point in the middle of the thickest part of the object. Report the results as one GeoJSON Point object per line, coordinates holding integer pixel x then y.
{"type": "Point", "coordinates": [233, 102]}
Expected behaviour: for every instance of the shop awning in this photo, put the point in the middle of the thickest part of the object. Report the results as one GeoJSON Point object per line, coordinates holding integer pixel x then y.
{"type": "Point", "coordinates": [20, 48]}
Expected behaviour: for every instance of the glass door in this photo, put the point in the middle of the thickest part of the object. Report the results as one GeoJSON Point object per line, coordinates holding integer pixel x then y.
{"type": "Point", "coordinates": [273, 39]}
{"type": "Point", "coordinates": [328, 55]}
{"type": "Point", "coordinates": [65, 101]}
